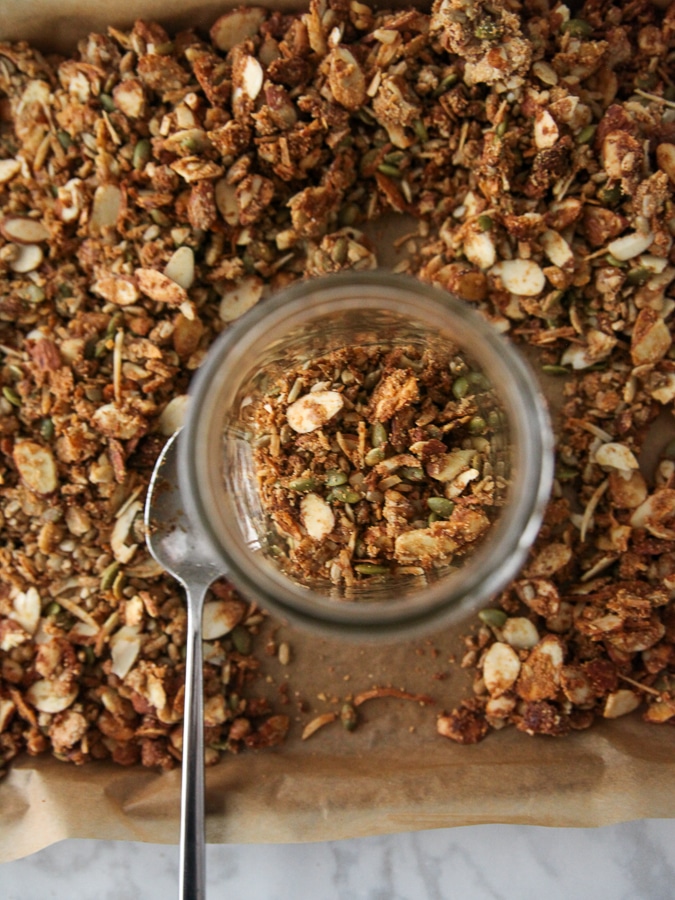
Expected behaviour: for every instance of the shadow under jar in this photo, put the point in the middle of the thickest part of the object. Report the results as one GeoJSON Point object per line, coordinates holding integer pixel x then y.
{"type": "Point", "coordinates": [333, 403]}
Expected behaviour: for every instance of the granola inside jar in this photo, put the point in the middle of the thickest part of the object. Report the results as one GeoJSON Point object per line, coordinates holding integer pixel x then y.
{"type": "Point", "coordinates": [365, 452]}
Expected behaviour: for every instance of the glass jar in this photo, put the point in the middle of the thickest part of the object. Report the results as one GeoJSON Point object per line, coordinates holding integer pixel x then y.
{"type": "Point", "coordinates": [309, 320]}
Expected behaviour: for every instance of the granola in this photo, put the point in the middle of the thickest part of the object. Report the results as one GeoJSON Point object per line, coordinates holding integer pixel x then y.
{"type": "Point", "coordinates": [154, 187]}
{"type": "Point", "coordinates": [376, 463]}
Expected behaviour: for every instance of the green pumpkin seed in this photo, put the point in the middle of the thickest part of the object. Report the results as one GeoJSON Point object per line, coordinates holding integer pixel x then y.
{"type": "Point", "coordinates": [448, 82]}
{"type": "Point", "coordinates": [302, 484]}
{"type": "Point", "coordinates": [586, 134]}
{"type": "Point", "coordinates": [47, 429]}
{"type": "Point", "coordinates": [108, 576]}
{"type": "Point", "coordinates": [555, 370]}
{"type": "Point", "coordinates": [378, 434]}
{"type": "Point", "coordinates": [412, 473]}
{"type": "Point", "coordinates": [421, 131]}
{"type": "Point", "coordinates": [578, 28]}
{"type": "Point", "coordinates": [638, 277]}
{"type": "Point", "coordinates": [441, 506]}
{"type": "Point", "coordinates": [477, 425]}
{"type": "Point", "coordinates": [335, 477]}
{"type": "Point", "coordinates": [391, 171]}
{"type": "Point", "coordinates": [460, 387]}
{"type": "Point", "coordinates": [348, 717]}
{"type": "Point", "coordinates": [107, 102]}
{"type": "Point", "coordinates": [11, 395]}
{"type": "Point", "coordinates": [142, 154]}
{"type": "Point", "coordinates": [610, 195]}
{"type": "Point", "coordinates": [242, 640]}
{"type": "Point", "coordinates": [495, 618]}
{"type": "Point", "coordinates": [64, 139]}
{"type": "Point", "coordinates": [53, 609]}
{"type": "Point", "coordinates": [374, 456]}
{"type": "Point", "coordinates": [370, 569]}
{"type": "Point", "coordinates": [344, 494]}
{"type": "Point", "coordinates": [485, 222]}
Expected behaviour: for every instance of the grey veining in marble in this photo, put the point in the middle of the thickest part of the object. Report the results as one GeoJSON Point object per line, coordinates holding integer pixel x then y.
{"type": "Point", "coordinates": [632, 861]}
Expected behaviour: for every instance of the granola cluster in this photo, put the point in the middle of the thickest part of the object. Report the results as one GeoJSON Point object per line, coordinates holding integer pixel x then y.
{"type": "Point", "coordinates": [153, 188]}
{"type": "Point", "coordinates": [375, 464]}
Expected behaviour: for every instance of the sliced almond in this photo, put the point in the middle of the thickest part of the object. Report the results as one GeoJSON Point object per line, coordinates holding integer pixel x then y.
{"type": "Point", "coordinates": [239, 299]}
{"type": "Point", "coordinates": [252, 77]}
{"type": "Point", "coordinates": [7, 710]}
{"type": "Point", "coordinates": [620, 703]}
{"type": "Point", "coordinates": [616, 456]}
{"type": "Point", "coordinates": [181, 267]}
{"type": "Point", "coordinates": [23, 230]}
{"type": "Point", "coordinates": [235, 27]}
{"type": "Point", "coordinates": [226, 201]}
{"type": "Point", "coordinates": [479, 249]}
{"type": "Point", "coordinates": [346, 79]}
{"type": "Point", "coordinates": [501, 667]}
{"type": "Point", "coordinates": [313, 410]}
{"type": "Point", "coordinates": [122, 551]}
{"type": "Point", "coordinates": [546, 131]}
{"type": "Point", "coordinates": [105, 209]}
{"type": "Point", "coordinates": [628, 246]}
{"type": "Point", "coordinates": [36, 466]}
{"type": "Point", "coordinates": [665, 157]}
{"type": "Point", "coordinates": [125, 645]}
{"type": "Point", "coordinates": [8, 169]}
{"type": "Point", "coordinates": [129, 98]}
{"type": "Point", "coordinates": [651, 338]}
{"type": "Point", "coordinates": [173, 415]}
{"type": "Point", "coordinates": [160, 287]}
{"type": "Point", "coordinates": [519, 633]}
{"type": "Point", "coordinates": [50, 696]}
{"type": "Point", "coordinates": [26, 610]}
{"type": "Point", "coordinates": [220, 617]}
{"type": "Point", "coordinates": [27, 258]}
{"type": "Point", "coordinates": [118, 289]}
{"type": "Point", "coordinates": [557, 249]}
{"type": "Point", "coordinates": [522, 277]}
{"type": "Point", "coordinates": [317, 516]}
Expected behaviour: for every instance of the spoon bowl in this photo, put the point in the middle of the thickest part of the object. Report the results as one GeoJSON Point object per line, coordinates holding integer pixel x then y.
{"type": "Point", "coordinates": [178, 547]}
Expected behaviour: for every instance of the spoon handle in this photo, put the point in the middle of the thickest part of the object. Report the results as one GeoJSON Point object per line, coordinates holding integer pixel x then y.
{"type": "Point", "coordinates": [192, 832]}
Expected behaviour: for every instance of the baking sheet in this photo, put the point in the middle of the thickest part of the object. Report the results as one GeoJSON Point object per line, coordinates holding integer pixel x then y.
{"type": "Point", "coordinates": [393, 773]}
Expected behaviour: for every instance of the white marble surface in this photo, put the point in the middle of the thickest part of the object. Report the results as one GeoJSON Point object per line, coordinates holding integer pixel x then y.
{"type": "Point", "coordinates": [631, 861]}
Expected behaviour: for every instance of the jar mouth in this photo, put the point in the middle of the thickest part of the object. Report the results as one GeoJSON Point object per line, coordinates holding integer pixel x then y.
{"type": "Point", "coordinates": [303, 319]}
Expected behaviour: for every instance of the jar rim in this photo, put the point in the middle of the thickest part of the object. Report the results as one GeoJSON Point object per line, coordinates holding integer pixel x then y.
{"type": "Point", "coordinates": [487, 571]}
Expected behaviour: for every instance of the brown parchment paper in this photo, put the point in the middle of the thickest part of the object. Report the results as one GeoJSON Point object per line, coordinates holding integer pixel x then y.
{"type": "Point", "coordinates": [393, 773]}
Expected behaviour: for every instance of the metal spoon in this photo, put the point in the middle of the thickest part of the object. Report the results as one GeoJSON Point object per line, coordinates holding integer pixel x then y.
{"type": "Point", "coordinates": [176, 545]}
